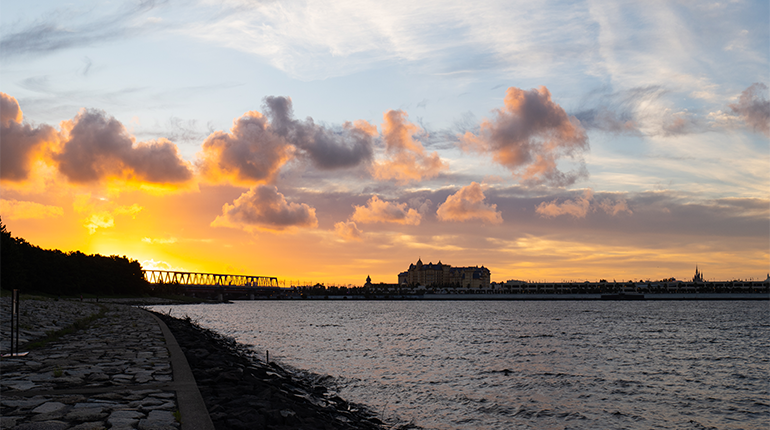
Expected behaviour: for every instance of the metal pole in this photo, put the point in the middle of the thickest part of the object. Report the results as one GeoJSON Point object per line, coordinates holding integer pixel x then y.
{"type": "Point", "coordinates": [15, 315]}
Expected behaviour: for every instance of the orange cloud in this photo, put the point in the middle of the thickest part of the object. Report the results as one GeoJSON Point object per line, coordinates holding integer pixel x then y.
{"type": "Point", "coordinates": [615, 207]}
{"type": "Point", "coordinates": [100, 213]}
{"type": "Point", "coordinates": [14, 209]}
{"type": "Point", "coordinates": [21, 143]}
{"type": "Point", "coordinates": [348, 230]}
{"type": "Point", "coordinates": [406, 157]}
{"type": "Point", "coordinates": [581, 206]}
{"type": "Point", "coordinates": [467, 204]}
{"type": "Point", "coordinates": [97, 147]}
{"type": "Point", "coordinates": [377, 210]}
{"type": "Point", "coordinates": [578, 208]}
{"type": "Point", "coordinates": [264, 208]}
{"type": "Point", "coordinates": [250, 154]}
{"type": "Point", "coordinates": [531, 133]}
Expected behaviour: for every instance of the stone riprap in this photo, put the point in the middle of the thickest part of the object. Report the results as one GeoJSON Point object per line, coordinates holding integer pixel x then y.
{"type": "Point", "coordinates": [114, 373]}
{"type": "Point", "coordinates": [242, 392]}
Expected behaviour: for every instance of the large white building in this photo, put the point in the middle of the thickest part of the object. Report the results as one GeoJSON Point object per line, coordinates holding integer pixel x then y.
{"type": "Point", "coordinates": [444, 275]}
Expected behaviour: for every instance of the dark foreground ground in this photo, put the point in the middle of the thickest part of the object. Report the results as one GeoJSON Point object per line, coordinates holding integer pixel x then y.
{"type": "Point", "coordinates": [243, 393]}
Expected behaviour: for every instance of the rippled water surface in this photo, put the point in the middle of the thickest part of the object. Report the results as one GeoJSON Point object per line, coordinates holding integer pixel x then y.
{"type": "Point", "coordinates": [507, 364]}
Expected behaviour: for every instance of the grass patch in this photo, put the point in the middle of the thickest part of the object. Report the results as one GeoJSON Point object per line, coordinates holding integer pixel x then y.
{"type": "Point", "coordinates": [72, 328]}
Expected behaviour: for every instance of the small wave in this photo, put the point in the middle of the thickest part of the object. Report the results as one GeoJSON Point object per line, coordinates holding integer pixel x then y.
{"type": "Point", "coordinates": [496, 409]}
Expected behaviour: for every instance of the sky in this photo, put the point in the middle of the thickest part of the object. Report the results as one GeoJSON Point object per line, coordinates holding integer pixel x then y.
{"type": "Point", "coordinates": [328, 141]}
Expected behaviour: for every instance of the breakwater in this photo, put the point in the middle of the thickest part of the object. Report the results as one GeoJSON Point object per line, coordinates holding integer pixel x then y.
{"type": "Point", "coordinates": [243, 392]}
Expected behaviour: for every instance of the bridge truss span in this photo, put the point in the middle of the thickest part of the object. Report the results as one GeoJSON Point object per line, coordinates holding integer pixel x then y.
{"type": "Point", "coordinates": [208, 279]}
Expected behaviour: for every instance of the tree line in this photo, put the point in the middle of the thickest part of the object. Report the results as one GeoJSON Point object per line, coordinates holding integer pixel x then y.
{"type": "Point", "coordinates": [31, 269]}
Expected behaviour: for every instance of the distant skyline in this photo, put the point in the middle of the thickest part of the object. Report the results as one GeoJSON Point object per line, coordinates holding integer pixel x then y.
{"type": "Point", "coordinates": [328, 141]}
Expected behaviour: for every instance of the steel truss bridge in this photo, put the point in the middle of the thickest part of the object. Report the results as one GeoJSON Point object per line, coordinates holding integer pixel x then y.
{"type": "Point", "coordinates": [214, 283]}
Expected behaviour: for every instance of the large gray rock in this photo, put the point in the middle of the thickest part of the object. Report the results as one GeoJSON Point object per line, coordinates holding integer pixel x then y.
{"type": "Point", "coordinates": [43, 425]}
{"type": "Point", "coordinates": [86, 414]}
{"type": "Point", "coordinates": [48, 407]}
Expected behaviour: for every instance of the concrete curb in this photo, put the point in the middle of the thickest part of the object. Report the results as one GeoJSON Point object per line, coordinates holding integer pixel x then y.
{"type": "Point", "coordinates": [195, 416]}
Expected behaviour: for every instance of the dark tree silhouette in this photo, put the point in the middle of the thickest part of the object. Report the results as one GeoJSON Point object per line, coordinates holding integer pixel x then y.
{"type": "Point", "coordinates": [29, 268]}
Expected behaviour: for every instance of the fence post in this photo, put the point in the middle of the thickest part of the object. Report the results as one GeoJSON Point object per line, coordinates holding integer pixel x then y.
{"type": "Point", "coordinates": [14, 322]}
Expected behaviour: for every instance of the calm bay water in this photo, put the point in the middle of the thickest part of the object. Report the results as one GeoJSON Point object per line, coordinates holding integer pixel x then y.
{"type": "Point", "coordinates": [510, 364]}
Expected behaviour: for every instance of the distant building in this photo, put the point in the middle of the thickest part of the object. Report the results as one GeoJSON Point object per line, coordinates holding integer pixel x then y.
{"type": "Point", "coordinates": [444, 275]}
{"type": "Point", "coordinates": [698, 278]}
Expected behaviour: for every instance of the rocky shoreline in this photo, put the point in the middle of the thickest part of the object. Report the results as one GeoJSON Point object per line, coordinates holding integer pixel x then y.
{"type": "Point", "coordinates": [242, 392]}
{"type": "Point", "coordinates": [109, 366]}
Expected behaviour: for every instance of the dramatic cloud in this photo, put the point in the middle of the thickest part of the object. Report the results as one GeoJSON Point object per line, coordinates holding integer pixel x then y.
{"type": "Point", "coordinates": [250, 154]}
{"type": "Point", "coordinates": [263, 207]}
{"type": "Point", "coordinates": [754, 108]}
{"type": "Point", "coordinates": [14, 209]}
{"type": "Point", "coordinates": [529, 135]}
{"type": "Point", "coordinates": [468, 204]}
{"type": "Point", "coordinates": [327, 149]}
{"type": "Point", "coordinates": [377, 210]}
{"type": "Point", "coordinates": [20, 143]}
{"type": "Point", "coordinates": [347, 230]}
{"type": "Point", "coordinates": [259, 145]}
{"type": "Point", "coordinates": [580, 206]}
{"type": "Point", "coordinates": [97, 147]}
{"type": "Point", "coordinates": [406, 158]}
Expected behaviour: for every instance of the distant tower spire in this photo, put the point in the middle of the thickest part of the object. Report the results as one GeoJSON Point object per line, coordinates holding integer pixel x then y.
{"type": "Point", "coordinates": [698, 275]}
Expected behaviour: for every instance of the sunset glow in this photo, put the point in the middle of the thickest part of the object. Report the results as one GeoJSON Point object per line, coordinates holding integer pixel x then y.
{"type": "Point", "coordinates": [328, 144]}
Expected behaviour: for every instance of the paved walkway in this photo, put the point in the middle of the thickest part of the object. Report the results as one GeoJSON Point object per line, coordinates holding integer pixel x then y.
{"type": "Point", "coordinates": [122, 371]}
